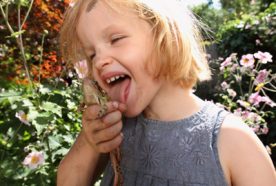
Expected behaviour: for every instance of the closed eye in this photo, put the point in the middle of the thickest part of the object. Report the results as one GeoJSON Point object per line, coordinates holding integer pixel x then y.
{"type": "Point", "coordinates": [92, 57]}
{"type": "Point", "coordinates": [116, 39]}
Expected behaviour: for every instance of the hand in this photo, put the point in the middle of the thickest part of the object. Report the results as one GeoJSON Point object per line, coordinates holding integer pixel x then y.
{"type": "Point", "coordinates": [103, 134]}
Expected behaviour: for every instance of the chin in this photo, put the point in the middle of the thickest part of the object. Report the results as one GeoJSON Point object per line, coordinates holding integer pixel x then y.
{"type": "Point", "coordinates": [131, 113]}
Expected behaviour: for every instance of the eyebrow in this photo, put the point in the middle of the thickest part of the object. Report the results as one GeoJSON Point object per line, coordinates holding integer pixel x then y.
{"type": "Point", "coordinates": [91, 5]}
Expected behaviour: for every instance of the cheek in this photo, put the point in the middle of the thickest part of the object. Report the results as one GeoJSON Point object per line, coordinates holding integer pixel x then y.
{"type": "Point", "coordinates": [95, 76]}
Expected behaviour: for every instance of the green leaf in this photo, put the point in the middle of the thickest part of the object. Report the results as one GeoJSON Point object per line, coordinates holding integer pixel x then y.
{"type": "Point", "coordinates": [11, 95]}
{"type": "Point", "coordinates": [70, 104]}
{"type": "Point", "coordinates": [54, 142]}
{"type": "Point", "coordinates": [26, 136]}
{"type": "Point", "coordinates": [52, 107]}
{"type": "Point", "coordinates": [32, 114]}
{"type": "Point", "coordinates": [44, 90]}
{"type": "Point", "coordinates": [39, 128]}
{"type": "Point", "coordinates": [68, 138]}
{"type": "Point", "coordinates": [43, 120]}
{"type": "Point", "coordinates": [27, 103]}
{"type": "Point", "coordinates": [61, 151]}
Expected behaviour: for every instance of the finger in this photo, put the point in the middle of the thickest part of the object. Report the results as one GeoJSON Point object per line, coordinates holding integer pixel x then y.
{"type": "Point", "coordinates": [122, 107]}
{"type": "Point", "coordinates": [92, 126]}
{"type": "Point", "coordinates": [108, 134]}
{"type": "Point", "coordinates": [110, 145]}
{"type": "Point", "coordinates": [92, 111]}
{"type": "Point", "coordinates": [100, 124]}
{"type": "Point", "coordinates": [111, 118]}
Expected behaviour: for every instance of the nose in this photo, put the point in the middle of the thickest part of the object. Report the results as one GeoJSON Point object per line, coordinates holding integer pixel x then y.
{"type": "Point", "coordinates": [102, 60]}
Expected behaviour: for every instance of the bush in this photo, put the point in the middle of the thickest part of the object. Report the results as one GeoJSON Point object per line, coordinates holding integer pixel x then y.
{"type": "Point", "coordinates": [249, 33]}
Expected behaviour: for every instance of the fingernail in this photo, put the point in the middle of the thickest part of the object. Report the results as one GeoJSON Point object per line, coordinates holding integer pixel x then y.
{"type": "Point", "coordinates": [115, 104]}
{"type": "Point", "coordinates": [122, 134]}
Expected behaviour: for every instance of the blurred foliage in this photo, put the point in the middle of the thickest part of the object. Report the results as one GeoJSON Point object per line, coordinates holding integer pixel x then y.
{"type": "Point", "coordinates": [52, 121]}
{"type": "Point", "coordinates": [249, 33]}
{"type": "Point", "coordinates": [241, 27]}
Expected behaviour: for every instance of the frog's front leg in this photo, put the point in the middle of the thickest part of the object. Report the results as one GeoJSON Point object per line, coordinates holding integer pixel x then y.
{"type": "Point", "coordinates": [102, 111]}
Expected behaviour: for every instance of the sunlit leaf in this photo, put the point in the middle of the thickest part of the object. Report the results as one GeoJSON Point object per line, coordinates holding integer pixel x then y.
{"type": "Point", "coordinates": [52, 107]}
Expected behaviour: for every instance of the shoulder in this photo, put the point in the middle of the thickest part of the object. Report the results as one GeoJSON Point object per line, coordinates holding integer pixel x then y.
{"type": "Point", "coordinates": [244, 159]}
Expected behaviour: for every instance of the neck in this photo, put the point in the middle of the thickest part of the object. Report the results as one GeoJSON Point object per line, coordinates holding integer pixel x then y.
{"type": "Point", "coordinates": [173, 103]}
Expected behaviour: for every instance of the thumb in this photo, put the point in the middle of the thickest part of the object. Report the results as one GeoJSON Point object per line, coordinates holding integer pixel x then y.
{"type": "Point", "coordinates": [120, 106]}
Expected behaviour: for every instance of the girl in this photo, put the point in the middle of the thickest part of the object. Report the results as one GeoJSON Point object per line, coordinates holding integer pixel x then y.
{"type": "Point", "coordinates": [146, 55]}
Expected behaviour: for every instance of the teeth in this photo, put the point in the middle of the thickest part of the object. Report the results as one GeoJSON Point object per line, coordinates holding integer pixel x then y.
{"type": "Point", "coordinates": [114, 78]}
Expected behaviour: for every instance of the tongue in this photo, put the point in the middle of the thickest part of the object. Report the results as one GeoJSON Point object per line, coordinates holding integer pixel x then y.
{"type": "Point", "coordinates": [119, 91]}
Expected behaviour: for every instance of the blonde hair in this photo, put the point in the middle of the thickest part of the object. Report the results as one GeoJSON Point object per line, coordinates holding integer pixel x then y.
{"type": "Point", "coordinates": [178, 43]}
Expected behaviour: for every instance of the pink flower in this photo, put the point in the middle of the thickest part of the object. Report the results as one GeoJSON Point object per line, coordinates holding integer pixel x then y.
{"type": "Point", "coordinates": [226, 62]}
{"type": "Point", "coordinates": [247, 61]}
{"type": "Point", "coordinates": [238, 112]}
{"type": "Point", "coordinates": [81, 68]}
{"type": "Point", "coordinates": [72, 3]}
{"type": "Point", "coordinates": [22, 117]}
{"type": "Point", "coordinates": [251, 117]}
{"type": "Point", "coordinates": [255, 98]}
{"type": "Point", "coordinates": [245, 115]}
{"type": "Point", "coordinates": [234, 67]}
{"type": "Point", "coordinates": [258, 42]}
{"type": "Point", "coordinates": [256, 129]}
{"type": "Point", "coordinates": [262, 75]}
{"type": "Point", "coordinates": [264, 57]}
{"type": "Point", "coordinates": [34, 159]}
{"type": "Point", "coordinates": [224, 85]}
{"type": "Point", "coordinates": [268, 101]}
{"type": "Point", "coordinates": [265, 130]}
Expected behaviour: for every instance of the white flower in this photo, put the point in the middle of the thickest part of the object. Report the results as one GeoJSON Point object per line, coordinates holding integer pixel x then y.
{"type": "Point", "coordinates": [231, 92]}
{"type": "Point", "coordinates": [34, 159]}
{"type": "Point", "coordinates": [22, 117]}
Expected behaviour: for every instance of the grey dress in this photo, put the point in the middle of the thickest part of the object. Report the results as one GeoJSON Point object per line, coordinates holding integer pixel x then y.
{"type": "Point", "coordinates": [182, 152]}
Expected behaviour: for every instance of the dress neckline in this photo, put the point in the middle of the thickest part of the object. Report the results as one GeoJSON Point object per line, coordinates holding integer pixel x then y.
{"type": "Point", "coordinates": [197, 114]}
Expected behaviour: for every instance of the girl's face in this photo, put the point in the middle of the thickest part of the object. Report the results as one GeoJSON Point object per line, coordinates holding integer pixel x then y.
{"type": "Point", "coordinates": [119, 46]}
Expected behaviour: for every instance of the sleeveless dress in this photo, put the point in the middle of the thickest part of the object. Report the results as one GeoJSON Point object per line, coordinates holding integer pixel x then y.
{"type": "Point", "coordinates": [177, 153]}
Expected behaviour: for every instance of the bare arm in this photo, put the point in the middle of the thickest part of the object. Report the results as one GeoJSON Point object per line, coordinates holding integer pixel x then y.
{"type": "Point", "coordinates": [244, 158]}
{"type": "Point", "coordinates": [80, 164]}
{"type": "Point", "coordinates": [86, 159]}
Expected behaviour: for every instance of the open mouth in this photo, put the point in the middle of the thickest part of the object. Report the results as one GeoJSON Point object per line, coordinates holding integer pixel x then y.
{"type": "Point", "coordinates": [119, 85]}
{"type": "Point", "coordinates": [116, 79]}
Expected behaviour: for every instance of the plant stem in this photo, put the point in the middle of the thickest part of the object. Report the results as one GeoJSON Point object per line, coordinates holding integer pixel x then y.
{"type": "Point", "coordinates": [41, 56]}
{"type": "Point", "coordinates": [21, 46]}
{"type": "Point", "coordinates": [5, 16]}
{"type": "Point", "coordinates": [268, 89]}
{"type": "Point", "coordinates": [240, 86]}
{"type": "Point", "coordinates": [19, 39]}
{"type": "Point", "coordinates": [272, 85]}
{"type": "Point", "coordinates": [27, 14]}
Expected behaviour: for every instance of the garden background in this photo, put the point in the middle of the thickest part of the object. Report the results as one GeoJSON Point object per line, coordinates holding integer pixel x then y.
{"type": "Point", "coordinates": [40, 94]}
